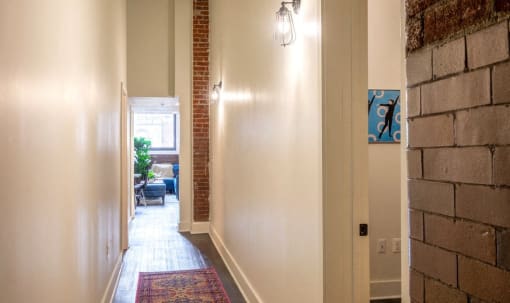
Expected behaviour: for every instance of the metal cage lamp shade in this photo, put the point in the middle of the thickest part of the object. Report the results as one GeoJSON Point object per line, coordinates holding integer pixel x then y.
{"type": "Point", "coordinates": [216, 91]}
{"type": "Point", "coordinates": [285, 27]}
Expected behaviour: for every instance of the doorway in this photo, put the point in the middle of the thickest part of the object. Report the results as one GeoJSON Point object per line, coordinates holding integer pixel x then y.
{"type": "Point", "coordinates": [347, 254]}
{"type": "Point", "coordinates": [385, 112]}
{"type": "Point", "coordinates": [156, 142]}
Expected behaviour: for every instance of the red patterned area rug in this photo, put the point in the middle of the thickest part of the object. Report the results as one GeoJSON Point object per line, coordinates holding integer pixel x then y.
{"type": "Point", "coordinates": [187, 286]}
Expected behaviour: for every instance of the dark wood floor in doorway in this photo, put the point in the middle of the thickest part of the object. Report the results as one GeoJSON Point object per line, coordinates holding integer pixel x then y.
{"type": "Point", "coordinates": [156, 245]}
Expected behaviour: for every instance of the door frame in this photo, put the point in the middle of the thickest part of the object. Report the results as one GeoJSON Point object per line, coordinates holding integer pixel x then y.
{"type": "Point", "coordinates": [345, 150]}
{"type": "Point", "coordinates": [404, 211]}
{"type": "Point", "coordinates": [126, 171]}
{"type": "Point", "coordinates": [183, 37]}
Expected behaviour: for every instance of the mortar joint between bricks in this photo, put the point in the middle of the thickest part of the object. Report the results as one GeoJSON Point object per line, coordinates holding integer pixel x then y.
{"type": "Point", "coordinates": [492, 149]}
{"type": "Point", "coordinates": [455, 188]}
{"type": "Point", "coordinates": [454, 128]}
{"type": "Point", "coordinates": [466, 69]}
{"type": "Point", "coordinates": [491, 90]}
{"type": "Point", "coordinates": [457, 268]}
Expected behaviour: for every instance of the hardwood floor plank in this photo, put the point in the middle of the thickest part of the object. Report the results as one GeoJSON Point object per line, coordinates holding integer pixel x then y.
{"type": "Point", "coordinates": [156, 245]}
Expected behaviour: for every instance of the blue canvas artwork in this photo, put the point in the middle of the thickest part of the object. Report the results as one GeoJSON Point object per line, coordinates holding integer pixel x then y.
{"type": "Point", "coordinates": [384, 116]}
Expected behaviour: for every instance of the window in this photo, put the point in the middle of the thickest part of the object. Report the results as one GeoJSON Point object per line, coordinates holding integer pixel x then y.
{"type": "Point", "coordinates": [159, 128]}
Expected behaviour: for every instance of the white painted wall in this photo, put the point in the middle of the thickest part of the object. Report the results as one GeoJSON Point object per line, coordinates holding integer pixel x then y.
{"type": "Point", "coordinates": [62, 63]}
{"type": "Point", "coordinates": [160, 65]}
{"type": "Point", "coordinates": [384, 72]}
{"type": "Point", "coordinates": [266, 214]}
{"type": "Point", "coordinates": [151, 48]}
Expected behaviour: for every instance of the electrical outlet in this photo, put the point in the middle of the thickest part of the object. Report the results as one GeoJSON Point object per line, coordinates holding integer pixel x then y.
{"type": "Point", "coordinates": [381, 246]}
{"type": "Point", "coordinates": [395, 245]}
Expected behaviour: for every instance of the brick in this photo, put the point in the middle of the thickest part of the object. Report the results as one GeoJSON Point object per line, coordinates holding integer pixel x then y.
{"type": "Point", "coordinates": [416, 286]}
{"type": "Point", "coordinates": [484, 281]}
{"type": "Point", "coordinates": [419, 67]}
{"type": "Point", "coordinates": [429, 26]}
{"type": "Point", "coordinates": [441, 21]}
{"type": "Point", "coordinates": [432, 196]}
{"type": "Point", "coordinates": [467, 165]}
{"type": "Point", "coordinates": [504, 249]}
{"type": "Point", "coordinates": [483, 204]}
{"type": "Point", "coordinates": [482, 126]}
{"type": "Point", "coordinates": [449, 58]}
{"type": "Point", "coordinates": [414, 32]}
{"type": "Point", "coordinates": [502, 166]}
{"type": "Point", "coordinates": [416, 224]}
{"type": "Point", "coordinates": [416, 6]}
{"type": "Point", "coordinates": [449, 17]}
{"type": "Point", "coordinates": [413, 102]}
{"type": "Point", "coordinates": [463, 91]}
{"type": "Point", "coordinates": [436, 292]}
{"type": "Point", "coordinates": [414, 167]}
{"type": "Point", "coordinates": [434, 262]}
{"type": "Point", "coordinates": [502, 5]}
{"type": "Point", "coordinates": [200, 110]}
{"type": "Point", "coordinates": [488, 46]}
{"type": "Point", "coordinates": [431, 131]}
{"type": "Point", "coordinates": [474, 11]}
{"type": "Point", "coordinates": [471, 239]}
{"type": "Point", "coordinates": [500, 80]}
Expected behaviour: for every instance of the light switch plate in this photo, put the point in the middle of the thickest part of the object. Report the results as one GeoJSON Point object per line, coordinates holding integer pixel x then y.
{"type": "Point", "coordinates": [395, 245]}
{"type": "Point", "coordinates": [381, 246]}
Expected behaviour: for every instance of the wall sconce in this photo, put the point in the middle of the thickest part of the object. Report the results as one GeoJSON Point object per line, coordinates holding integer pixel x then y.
{"type": "Point", "coordinates": [216, 90]}
{"type": "Point", "coordinates": [285, 28]}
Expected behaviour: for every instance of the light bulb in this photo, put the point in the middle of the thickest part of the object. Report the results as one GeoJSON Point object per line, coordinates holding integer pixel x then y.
{"type": "Point", "coordinates": [285, 31]}
{"type": "Point", "coordinates": [283, 27]}
{"type": "Point", "coordinates": [215, 95]}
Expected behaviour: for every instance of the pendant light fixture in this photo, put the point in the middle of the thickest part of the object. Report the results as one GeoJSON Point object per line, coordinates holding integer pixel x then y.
{"type": "Point", "coordinates": [285, 28]}
{"type": "Point", "coordinates": [215, 95]}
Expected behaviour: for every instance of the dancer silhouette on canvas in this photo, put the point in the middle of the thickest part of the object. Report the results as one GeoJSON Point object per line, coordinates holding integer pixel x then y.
{"type": "Point", "coordinates": [370, 103]}
{"type": "Point", "coordinates": [388, 119]}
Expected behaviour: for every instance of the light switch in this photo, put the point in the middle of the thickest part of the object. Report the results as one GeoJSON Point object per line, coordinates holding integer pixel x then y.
{"type": "Point", "coordinates": [381, 246]}
{"type": "Point", "coordinates": [395, 245]}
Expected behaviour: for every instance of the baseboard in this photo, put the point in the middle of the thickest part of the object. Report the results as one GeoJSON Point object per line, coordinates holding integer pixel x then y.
{"type": "Point", "coordinates": [113, 282]}
{"type": "Point", "coordinates": [184, 226]}
{"type": "Point", "coordinates": [244, 285]}
{"type": "Point", "coordinates": [385, 289]}
{"type": "Point", "coordinates": [200, 228]}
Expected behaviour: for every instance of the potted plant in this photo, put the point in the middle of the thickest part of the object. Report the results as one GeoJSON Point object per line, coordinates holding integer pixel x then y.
{"type": "Point", "coordinates": [142, 157]}
{"type": "Point", "coordinates": [150, 175]}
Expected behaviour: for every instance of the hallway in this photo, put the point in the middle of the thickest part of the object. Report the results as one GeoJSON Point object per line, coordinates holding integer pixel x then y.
{"type": "Point", "coordinates": [156, 245]}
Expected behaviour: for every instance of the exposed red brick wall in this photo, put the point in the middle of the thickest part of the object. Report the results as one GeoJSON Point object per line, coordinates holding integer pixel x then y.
{"type": "Point", "coordinates": [201, 110]}
{"type": "Point", "coordinates": [458, 75]}
{"type": "Point", "coordinates": [429, 21]}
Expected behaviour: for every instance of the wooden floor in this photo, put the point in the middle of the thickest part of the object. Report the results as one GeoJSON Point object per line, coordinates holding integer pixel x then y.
{"type": "Point", "coordinates": [156, 245]}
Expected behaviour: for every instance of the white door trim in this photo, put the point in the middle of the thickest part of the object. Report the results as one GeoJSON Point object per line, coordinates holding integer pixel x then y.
{"type": "Point", "coordinates": [126, 187]}
{"type": "Point", "coordinates": [183, 36]}
{"type": "Point", "coordinates": [345, 149]}
{"type": "Point", "coordinates": [404, 211]}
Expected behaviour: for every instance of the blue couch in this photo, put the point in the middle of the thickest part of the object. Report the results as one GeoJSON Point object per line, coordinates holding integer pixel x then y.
{"type": "Point", "coordinates": [176, 174]}
{"type": "Point", "coordinates": [172, 184]}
